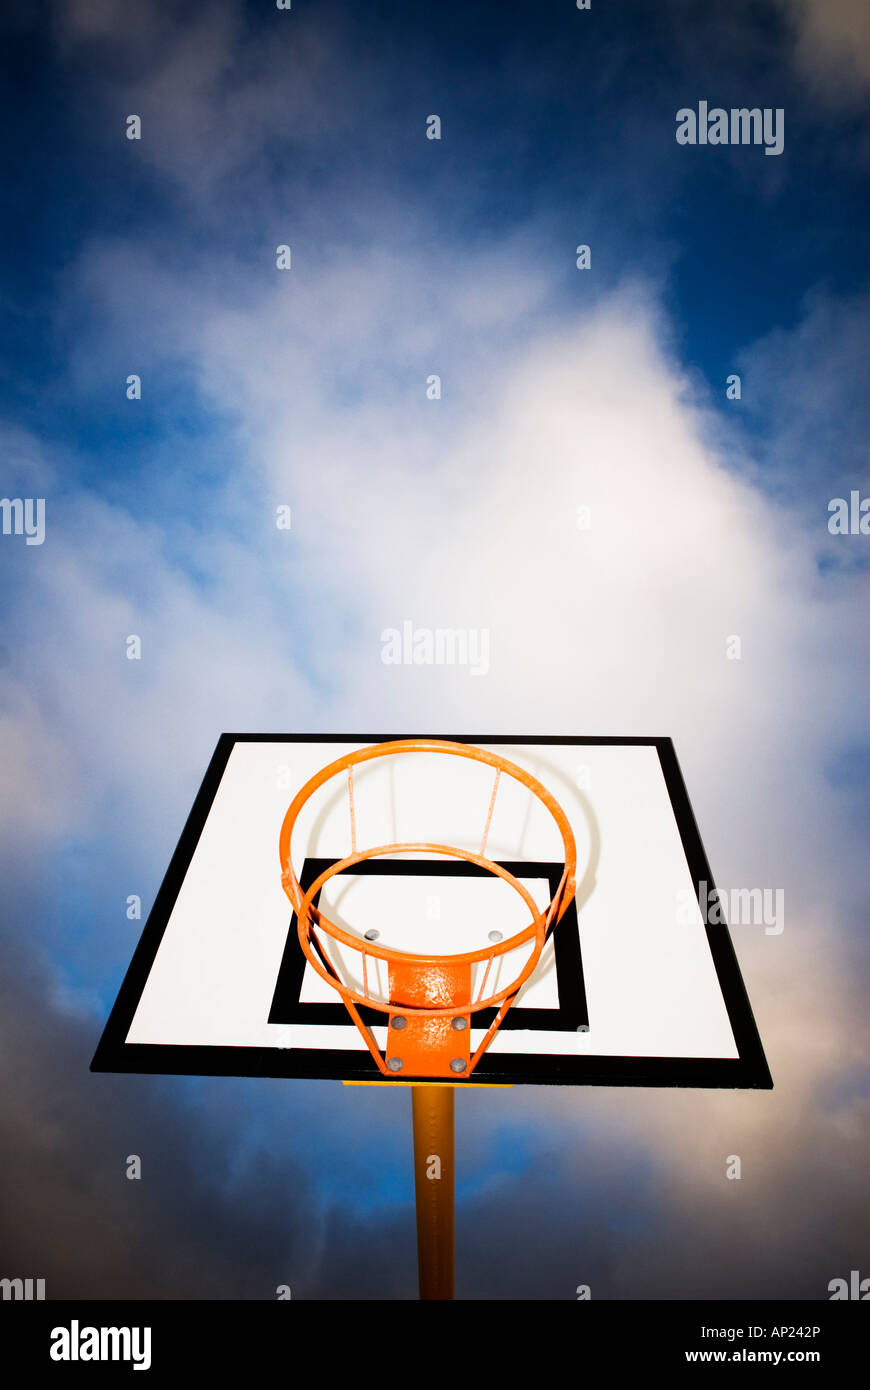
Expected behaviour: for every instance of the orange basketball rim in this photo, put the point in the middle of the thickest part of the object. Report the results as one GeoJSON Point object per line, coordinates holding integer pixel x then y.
{"type": "Point", "coordinates": [429, 1004]}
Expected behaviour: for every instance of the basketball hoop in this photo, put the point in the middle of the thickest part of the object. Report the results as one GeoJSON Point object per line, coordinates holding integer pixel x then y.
{"type": "Point", "coordinates": [430, 1000]}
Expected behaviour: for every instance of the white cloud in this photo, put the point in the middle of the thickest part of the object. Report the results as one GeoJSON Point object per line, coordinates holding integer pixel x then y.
{"type": "Point", "coordinates": [832, 45]}
{"type": "Point", "coordinates": [213, 91]}
{"type": "Point", "coordinates": [463, 513]}
{"type": "Point", "coordinates": [453, 513]}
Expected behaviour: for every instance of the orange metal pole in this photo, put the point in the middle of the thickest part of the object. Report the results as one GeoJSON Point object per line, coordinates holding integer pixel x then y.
{"type": "Point", "coordinates": [432, 1108]}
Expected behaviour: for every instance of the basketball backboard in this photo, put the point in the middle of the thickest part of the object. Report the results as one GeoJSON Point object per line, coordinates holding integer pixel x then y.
{"type": "Point", "coordinates": [631, 988]}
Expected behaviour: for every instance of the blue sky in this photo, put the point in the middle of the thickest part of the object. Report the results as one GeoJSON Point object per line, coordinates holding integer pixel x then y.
{"type": "Point", "coordinates": [539, 129]}
{"type": "Point", "coordinates": [561, 388]}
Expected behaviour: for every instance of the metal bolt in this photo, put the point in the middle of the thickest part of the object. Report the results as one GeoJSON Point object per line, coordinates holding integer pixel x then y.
{"type": "Point", "coordinates": [372, 934]}
{"type": "Point", "coordinates": [458, 1064]}
{"type": "Point", "coordinates": [494, 936]}
{"type": "Point", "coordinates": [459, 1023]}
{"type": "Point", "coordinates": [398, 1022]}
{"type": "Point", "coordinates": [395, 1064]}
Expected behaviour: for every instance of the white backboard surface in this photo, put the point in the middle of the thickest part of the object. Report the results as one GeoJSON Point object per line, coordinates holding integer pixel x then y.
{"type": "Point", "coordinates": [632, 988]}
